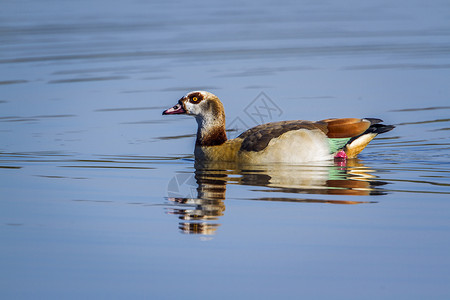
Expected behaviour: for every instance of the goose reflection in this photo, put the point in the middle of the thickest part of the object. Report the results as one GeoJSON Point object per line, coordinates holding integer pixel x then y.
{"type": "Point", "coordinates": [199, 197]}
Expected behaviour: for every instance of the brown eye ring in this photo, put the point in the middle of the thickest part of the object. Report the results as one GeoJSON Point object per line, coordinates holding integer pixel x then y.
{"type": "Point", "coordinates": [195, 98]}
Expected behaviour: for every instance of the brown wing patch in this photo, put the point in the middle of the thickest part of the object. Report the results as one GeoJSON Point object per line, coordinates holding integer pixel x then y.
{"type": "Point", "coordinates": [258, 137]}
{"type": "Point", "coordinates": [345, 127]}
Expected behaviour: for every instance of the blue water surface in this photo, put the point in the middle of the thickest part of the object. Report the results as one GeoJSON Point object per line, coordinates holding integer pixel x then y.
{"type": "Point", "coordinates": [100, 196]}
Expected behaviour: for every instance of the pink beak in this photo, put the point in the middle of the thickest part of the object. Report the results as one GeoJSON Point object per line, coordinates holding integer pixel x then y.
{"type": "Point", "coordinates": [176, 110]}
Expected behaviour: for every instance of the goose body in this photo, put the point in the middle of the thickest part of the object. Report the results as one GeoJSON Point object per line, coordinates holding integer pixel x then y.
{"type": "Point", "coordinates": [295, 141]}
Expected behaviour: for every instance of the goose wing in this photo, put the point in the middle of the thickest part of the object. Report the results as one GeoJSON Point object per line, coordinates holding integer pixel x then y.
{"type": "Point", "coordinates": [257, 138]}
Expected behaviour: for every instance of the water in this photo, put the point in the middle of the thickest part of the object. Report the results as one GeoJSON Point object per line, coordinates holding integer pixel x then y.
{"type": "Point", "coordinates": [100, 195]}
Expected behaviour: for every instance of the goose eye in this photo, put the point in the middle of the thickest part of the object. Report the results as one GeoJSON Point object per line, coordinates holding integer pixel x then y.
{"type": "Point", "coordinates": [195, 98]}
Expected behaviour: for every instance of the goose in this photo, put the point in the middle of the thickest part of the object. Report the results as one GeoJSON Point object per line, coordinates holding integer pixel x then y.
{"type": "Point", "coordinates": [294, 141]}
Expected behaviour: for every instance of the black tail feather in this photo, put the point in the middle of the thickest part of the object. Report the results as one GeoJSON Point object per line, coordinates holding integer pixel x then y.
{"type": "Point", "coordinates": [373, 120]}
{"type": "Point", "coordinates": [379, 128]}
{"type": "Point", "coordinates": [375, 127]}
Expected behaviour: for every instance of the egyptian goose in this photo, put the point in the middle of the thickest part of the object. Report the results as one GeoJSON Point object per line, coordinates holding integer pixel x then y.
{"type": "Point", "coordinates": [286, 141]}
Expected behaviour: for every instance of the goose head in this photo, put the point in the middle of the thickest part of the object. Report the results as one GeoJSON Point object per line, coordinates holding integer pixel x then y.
{"type": "Point", "coordinates": [209, 113]}
{"type": "Point", "coordinates": [198, 104]}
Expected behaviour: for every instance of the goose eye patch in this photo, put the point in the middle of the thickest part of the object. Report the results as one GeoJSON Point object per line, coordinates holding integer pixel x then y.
{"type": "Point", "coordinates": [196, 98]}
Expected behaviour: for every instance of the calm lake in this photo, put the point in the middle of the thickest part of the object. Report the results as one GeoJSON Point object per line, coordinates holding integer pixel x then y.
{"type": "Point", "coordinates": [100, 196]}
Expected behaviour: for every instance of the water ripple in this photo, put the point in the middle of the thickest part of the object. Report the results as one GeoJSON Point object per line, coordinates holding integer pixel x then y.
{"type": "Point", "coordinates": [406, 49]}
{"type": "Point", "coordinates": [88, 79]}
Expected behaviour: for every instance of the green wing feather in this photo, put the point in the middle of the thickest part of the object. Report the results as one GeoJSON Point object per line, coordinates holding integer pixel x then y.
{"type": "Point", "coordinates": [337, 144]}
